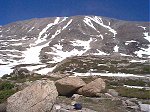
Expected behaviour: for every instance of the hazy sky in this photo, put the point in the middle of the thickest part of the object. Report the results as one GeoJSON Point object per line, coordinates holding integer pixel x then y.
{"type": "Point", "coordinates": [14, 10]}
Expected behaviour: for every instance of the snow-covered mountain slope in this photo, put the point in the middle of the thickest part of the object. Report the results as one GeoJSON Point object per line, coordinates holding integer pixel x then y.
{"type": "Point", "coordinates": [51, 40]}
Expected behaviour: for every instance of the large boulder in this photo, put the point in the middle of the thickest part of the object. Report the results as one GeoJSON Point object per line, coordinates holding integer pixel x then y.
{"type": "Point", "coordinates": [37, 97]}
{"type": "Point", "coordinates": [93, 88]}
{"type": "Point", "coordinates": [69, 85]}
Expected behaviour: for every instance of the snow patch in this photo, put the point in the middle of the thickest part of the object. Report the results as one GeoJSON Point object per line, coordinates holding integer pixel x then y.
{"type": "Point", "coordinates": [136, 61]}
{"type": "Point", "coordinates": [116, 48]}
{"type": "Point", "coordinates": [5, 69]}
{"type": "Point", "coordinates": [146, 36]}
{"type": "Point", "coordinates": [128, 42]}
{"type": "Point", "coordinates": [88, 22]}
{"type": "Point", "coordinates": [137, 87]}
{"type": "Point", "coordinates": [107, 74]}
{"type": "Point", "coordinates": [100, 22]}
{"type": "Point", "coordinates": [33, 68]}
{"type": "Point", "coordinates": [61, 55]}
{"type": "Point", "coordinates": [142, 27]}
{"type": "Point", "coordinates": [45, 71]}
{"type": "Point", "coordinates": [39, 40]}
{"type": "Point", "coordinates": [100, 53]}
{"type": "Point", "coordinates": [124, 54]}
{"type": "Point", "coordinates": [144, 51]}
{"type": "Point", "coordinates": [67, 25]}
{"type": "Point", "coordinates": [31, 29]}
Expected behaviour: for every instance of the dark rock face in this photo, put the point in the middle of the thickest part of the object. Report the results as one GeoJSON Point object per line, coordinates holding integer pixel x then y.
{"type": "Point", "coordinates": [53, 39]}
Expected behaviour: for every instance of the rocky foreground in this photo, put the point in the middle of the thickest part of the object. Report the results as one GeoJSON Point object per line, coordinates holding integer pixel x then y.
{"type": "Point", "coordinates": [60, 93]}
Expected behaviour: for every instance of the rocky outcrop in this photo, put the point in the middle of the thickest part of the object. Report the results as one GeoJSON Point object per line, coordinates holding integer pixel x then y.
{"type": "Point", "coordinates": [38, 97]}
{"type": "Point", "coordinates": [93, 88]}
{"type": "Point", "coordinates": [69, 85]}
{"type": "Point", "coordinates": [20, 72]}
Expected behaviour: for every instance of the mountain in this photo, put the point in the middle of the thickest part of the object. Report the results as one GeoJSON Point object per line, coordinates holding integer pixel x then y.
{"type": "Point", "coordinates": [40, 44]}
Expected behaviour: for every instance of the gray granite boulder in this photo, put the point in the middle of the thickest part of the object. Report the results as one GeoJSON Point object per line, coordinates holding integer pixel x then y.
{"type": "Point", "coordinates": [93, 88]}
{"type": "Point", "coordinates": [38, 97]}
{"type": "Point", "coordinates": [69, 85]}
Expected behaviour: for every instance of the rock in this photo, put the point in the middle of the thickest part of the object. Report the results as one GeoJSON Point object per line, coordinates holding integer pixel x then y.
{"type": "Point", "coordinates": [21, 86]}
{"type": "Point", "coordinates": [38, 97]}
{"type": "Point", "coordinates": [63, 108]}
{"type": "Point", "coordinates": [145, 107]}
{"type": "Point", "coordinates": [75, 96]}
{"type": "Point", "coordinates": [93, 88]}
{"type": "Point", "coordinates": [57, 75]}
{"type": "Point", "coordinates": [113, 92]}
{"type": "Point", "coordinates": [3, 107]}
{"type": "Point", "coordinates": [124, 103]}
{"type": "Point", "coordinates": [108, 95]}
{"type": "Point", "coordinates": [20, 72]}
{"type": "Point", "coordinates": [130, 103]}
{"type": "Point", "coordinates": [69, 85]}
{"type": "Point", "coordinates": [135, 100]}
{"type": "Point", "coordinates": [133, 107]}
{"type": "Point", "coordinates": [56, 108]}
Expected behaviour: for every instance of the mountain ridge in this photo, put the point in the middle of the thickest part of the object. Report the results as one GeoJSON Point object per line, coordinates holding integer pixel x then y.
{"type": "Point", "coordinates": [134, 21]}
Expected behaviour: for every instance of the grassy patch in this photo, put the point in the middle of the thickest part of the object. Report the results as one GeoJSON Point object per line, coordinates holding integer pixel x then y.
{"type": "Point", "coordinates": [133, 92]}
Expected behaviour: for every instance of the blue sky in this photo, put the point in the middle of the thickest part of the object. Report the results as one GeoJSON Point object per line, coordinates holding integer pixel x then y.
{"type": "Point", "coordinates": [132, 10]}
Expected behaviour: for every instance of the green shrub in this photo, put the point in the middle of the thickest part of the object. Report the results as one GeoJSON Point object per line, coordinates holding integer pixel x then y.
{"type": "Point", "coordinates": [5, 94]}
{"type": "Point", "coordinates": [6, 86]}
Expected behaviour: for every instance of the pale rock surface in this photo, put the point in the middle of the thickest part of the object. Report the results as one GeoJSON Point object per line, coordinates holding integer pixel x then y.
{"type": "Point", "coordinates": [93, 88]}
{"type": "Point", "coordinates": [113, 92]}
{"type": "Point", "coordinates": [69, 85]}
{"type": "Point", "coordinates": [38, 97]}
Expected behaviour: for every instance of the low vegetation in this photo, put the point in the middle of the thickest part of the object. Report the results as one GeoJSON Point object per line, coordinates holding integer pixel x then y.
{"type": "Point", "coordinates": [133, 92]}
{"type": "Point", "coordinates": [6, 90]}
{"type": "Point", "coordinates": [102, 64]}
{"type": "Point", "coordinates": [97, 104]}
